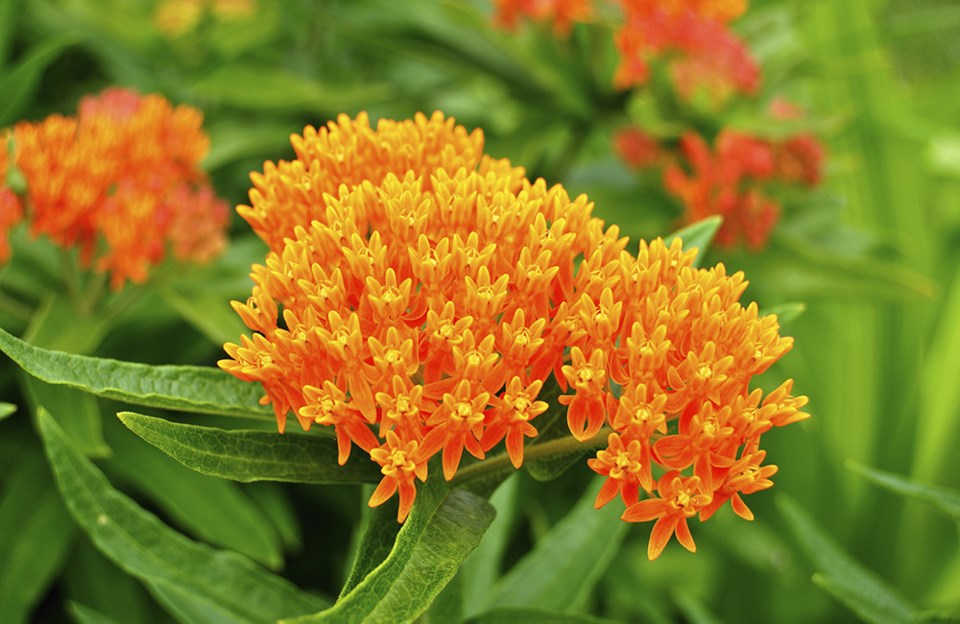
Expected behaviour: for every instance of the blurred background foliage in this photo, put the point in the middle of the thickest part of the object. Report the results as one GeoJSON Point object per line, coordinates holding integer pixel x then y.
{"type": "Point", "coordinates": [872, 254]}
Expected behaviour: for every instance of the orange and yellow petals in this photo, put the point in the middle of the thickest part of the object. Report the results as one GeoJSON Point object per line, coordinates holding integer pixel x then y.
{"type": "Point", "coordinates": [11, 208]}
{"type": "Point", "coordinates": [511, 418]}
{"type": "Point", "coordinates": [588, 407]}
{"type": "Point", "coordinates": [456, 424]}
{"type": "Point", "coordinates": [679, 498]}
{"type": "Point", "coordinates": [121, 181]}
{"type": "Point", "coordinates": [400, 464]}
{"type": "Point", "coordinates": [623, 464]}
{"type": "Point", "coordinates": [562, 13]}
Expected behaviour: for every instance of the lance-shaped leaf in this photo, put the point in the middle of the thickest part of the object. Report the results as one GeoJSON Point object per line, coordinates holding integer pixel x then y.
{"type": "Point", "coordinates": [561, 570]}
{"type": "Point", "coordinates": [533, 616]}
{"type": "Point", "coordinates": [442, 529]}
{"type": "Point", "coordinates": [699, 235]}
{"type": "Point", "coordinates": [6, 409]}
{"type": "Point", "coordinates": [862, 591]}
{"type": "Point", "coordinates": [249, 455]}
{"type": "Point", "coordinates": [183, 388]}
{"type": "Point", "coordinates": [945, 499]}
{"type": "Point", "coordinates": [144, 547]}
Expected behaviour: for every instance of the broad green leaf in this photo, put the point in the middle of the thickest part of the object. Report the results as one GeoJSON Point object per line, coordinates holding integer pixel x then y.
{"type": "Point", "coordinates": [59, 326]}
{"type": "Point", "coordinates": [94, 580]}
{"type": "Point", "coordinates": [946, 500]}
{"type": "Point", "coordinates": [482, 567]}
{"type": "Point", "coordinates": [699, 235]}
{"type": "Point", "coordinates": [146, 548]}
{"type": "Point", "coordinates": [18, 85]}
{"type": "Point", "coordinates": [561, 570]}
{"type": "Point", "coordinates": [35, 536]}
{"type": "Point", "coordinates": [533, 616]}
{"type": "Point", "coordinates": [213, 510]}
{"type": "Point", "coordinates": [279, 90]}
{"type": "Point", "coordinates": [83, 614]}
{"type": "Point", "coordinates": [246, 455]}
{"type": "Point", "coordinates": [847, 579]}
{"type": "Point", "coordinates": [786, 312]}
{"type": "Point", "coordinates": [447, 606]}
{"type": "Point", "coordinates": [184, 388]}
{"type": "Point", "coordinates": [442, 529]}
{"type": "Point", "coordinates": [7, 409]}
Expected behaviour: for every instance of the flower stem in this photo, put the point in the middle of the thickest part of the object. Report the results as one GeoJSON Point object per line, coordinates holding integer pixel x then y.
{"type": "Point", "coordinates": [537, 451]}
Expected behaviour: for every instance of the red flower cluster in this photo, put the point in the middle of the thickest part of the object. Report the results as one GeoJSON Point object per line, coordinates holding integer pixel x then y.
{"type": "Point", "coordinates": [120, 181]}
{"type": "Point", "coordinates": [703, 54]}
{"type": "Point", "coordinates": [729, 180]}
{"type": "Point", "coordinates": [420, 306]}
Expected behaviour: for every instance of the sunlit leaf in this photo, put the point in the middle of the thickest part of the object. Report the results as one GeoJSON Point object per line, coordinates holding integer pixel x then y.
{"type": "Point", "coordinates": [441, 531]}
{"type": "Point", "coordinates": [245, 455]}
{"type": "Point", "coordinates": [869, 596]}
{"type": "Point", "coordinates": [146, 548]}
{"type": "Point", "coordinates": [184, 388]}
{"type": "Point", "coordinates": [786, 312]}
{"type": "Point", "coordinates": [7, 409]}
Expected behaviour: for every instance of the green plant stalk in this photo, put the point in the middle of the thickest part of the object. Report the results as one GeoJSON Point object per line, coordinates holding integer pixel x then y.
{"type": "Point", "coordinates": [559, 446]}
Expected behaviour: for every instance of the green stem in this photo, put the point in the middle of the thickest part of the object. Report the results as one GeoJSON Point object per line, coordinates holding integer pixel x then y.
{"type": "Point", "coordinates": [537, 451]}
{"type": "Point", "coordinates": [70, 275]}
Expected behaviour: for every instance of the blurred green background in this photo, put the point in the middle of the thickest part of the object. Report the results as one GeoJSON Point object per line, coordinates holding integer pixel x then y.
{"type": "Point", "coordinates": [872, 253]}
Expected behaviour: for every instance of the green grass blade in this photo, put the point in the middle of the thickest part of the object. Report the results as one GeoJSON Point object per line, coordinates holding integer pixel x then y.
{"type": "Point", "coordinates": [854, 585]}
{"type": "Point", "coordinates": [18, 85]}
{"type": "Point", "coordinates": [946, 500]}
{"type": "Point", "coordinates": [245, 455]}
{"type": "Point", "coordinates": [561, 570]}
{"type": "Point", "coordinates": [182, 388]}
{"type": "Point", "coordinates": [441, 531]}
{"type": "Point", "coordinates": [146, 548]}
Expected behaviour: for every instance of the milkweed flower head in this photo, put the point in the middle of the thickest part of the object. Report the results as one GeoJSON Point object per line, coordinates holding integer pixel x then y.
{"type": "Point", "coordinates": [179, 17]}
{"type": "Point", "coordinates": [11, 209]}
{"type": "Point", "coordinates": [121, 182]}
{"type": "Point", "coordinates": [429, 293]}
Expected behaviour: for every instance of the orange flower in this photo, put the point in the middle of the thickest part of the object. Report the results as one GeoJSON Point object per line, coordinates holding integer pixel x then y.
{"type": "Point", "coordinates": [426, 307]}
{"type": "Point", "coordinates": [121, 181]}
{"type": "Point", "coordinates": [564, 13]}
{"type": "Point", "coordinates": [11, 210]}
{"type": "Point", "coordinates": [420, 283]}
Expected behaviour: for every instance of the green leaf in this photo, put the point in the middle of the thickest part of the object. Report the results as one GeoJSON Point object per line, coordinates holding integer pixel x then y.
{"type": "Point", "coordinates": [184, 388]}
{"type": "Point", "coordinates": [146, 548]}
{"type": "Point", "coordinates": [786, 312]}
{"type": "Point", "coordinates": [280, 90]}
{"type": "Point", "coordinates": [17, 86]}
{"type": "Point", "coordinates": [482, 568]}
{"type": "Point", "coordinates": [7, 409]}
{"type": "Point", "coordinates": [8, 20]}
{"type": "Point", "coordinates": [230, 142]}
{"type": "Point", "coordinates": [36, 535]}
{"type": "Point", "coordinates": [447, 606]}
{"type": "Point", "coordinates": [83, 614]}
{"type": "Point", "coordinates": [442, 529]}
{"type": "Point", "coordinates": [214, 510]}
{"type": "Point", "coordinates": [275, 502]}
{"type": "Point", "coordinates": [247, 455]}
{"type": "Point", "coordinates": [946, 500]}
{"type": "Point", "coordinates": [378, 533]}
{"type": "Point", "coordinates": [693, 609]}
{"type": "Point", "coordinates": [849, 581]}
{"type": "Point", "coordinates": [561, 570]}
{"type": "Point", "coordinates": [533, 616]}
{"type": "Point", "coordinates": [552, 425]}
{"type": "Point", "coordinates": [203, 309]}
{"type": "Point", "coordinates": [699, 235]}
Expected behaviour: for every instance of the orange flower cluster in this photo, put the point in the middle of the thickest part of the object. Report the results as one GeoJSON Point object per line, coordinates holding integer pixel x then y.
{"type": "Point", "coordinates": [418, 295]}
{"type": "Point", "coordinates": [121, 181]}
{"type": "Point", "coordinates": [11, 210]}
{"type": "Point", "coordinates": [693, 35]}
{"type": "Point", "coordinates": [729, 180]}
